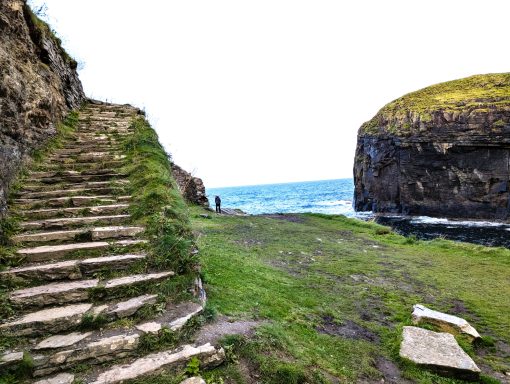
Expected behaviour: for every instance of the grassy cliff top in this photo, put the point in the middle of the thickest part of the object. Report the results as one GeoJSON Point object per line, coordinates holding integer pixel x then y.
{"type": "Point", "coordinates": [475, 92]}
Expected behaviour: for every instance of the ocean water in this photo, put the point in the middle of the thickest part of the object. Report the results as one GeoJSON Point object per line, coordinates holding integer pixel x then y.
{"type": "Point", "coordinates": [326, 196]}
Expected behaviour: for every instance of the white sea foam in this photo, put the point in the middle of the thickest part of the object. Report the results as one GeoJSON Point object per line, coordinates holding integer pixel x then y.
{"type": "Point", "coordinates": [455, 223]}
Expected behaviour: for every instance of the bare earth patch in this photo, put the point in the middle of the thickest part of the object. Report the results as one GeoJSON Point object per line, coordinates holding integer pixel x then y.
{"type": "Point", "coordinates": [348, 329]}
{"type": "Point", "coordinates": [212, 333]}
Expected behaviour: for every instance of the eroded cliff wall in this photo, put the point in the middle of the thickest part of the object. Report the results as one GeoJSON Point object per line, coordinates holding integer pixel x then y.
{"type": "Point", "coordinates": [192, 188]}
{"type": "Point", "coordinates": [38, 86]}
{"type": "Point", "coordinates": [440, 151]}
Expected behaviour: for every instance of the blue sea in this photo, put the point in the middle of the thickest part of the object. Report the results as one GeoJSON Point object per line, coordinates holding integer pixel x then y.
{"type": "Point", "coordinates": [326, 196]}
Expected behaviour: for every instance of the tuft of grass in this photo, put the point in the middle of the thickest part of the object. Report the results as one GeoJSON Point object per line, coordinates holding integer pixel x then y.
{"type": "Point", "coordinates": [157, 202]}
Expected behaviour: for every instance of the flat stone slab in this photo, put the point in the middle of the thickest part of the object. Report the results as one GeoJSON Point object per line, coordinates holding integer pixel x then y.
{"type": "Point", "coordinates": [49, 252]}
{"type": "Point", "coordinates": [60, 341]}
{"type": "Point", "coordinates": [99, 233]}
{"type": "Point", "coordinates": [103, 349]}
{"type": "Point", "coordinates": [63, 378]}
{"type": "Point", "coordinates": [447, 323]}
{"type": "Point", "coordinates": [150, 364]}
{"type": "Point", "coordinates": [73, 221]}
{"type": "Point", "coordinates": [48, 320]}
{"type": "Point", "coordinates": [11, 358]}
{"type": "Point", "coordinates": [54, 293]}
{"type": "Point", "coordinates": [134, 279]}
{"type": "Point", "coordinates": [439, 352]}
{"type": "Point", "coordinates": [193, 380]}
{"type": "Point", "coordinates": [130, 307]}
{"type": "Point", "coordinates": [73, 201]}
{"type": "Point", "coordinates": [78, 290]}
{"type": "Point", "coordinates": [73, 212]}
{"type": "Point", "coordinates": [73, 269]}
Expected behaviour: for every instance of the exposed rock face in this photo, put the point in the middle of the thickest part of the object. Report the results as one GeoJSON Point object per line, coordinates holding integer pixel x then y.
{"type": "Point", "coordinates": [38, 85]}
{"type": "Point", "coordinates": [192, 188]}
{"type": "Point", "coordinates": [440, 151]}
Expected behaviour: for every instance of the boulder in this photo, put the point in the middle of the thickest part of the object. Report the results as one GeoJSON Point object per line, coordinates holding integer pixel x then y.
{"type": "Point", "coordinates": [439, 352]}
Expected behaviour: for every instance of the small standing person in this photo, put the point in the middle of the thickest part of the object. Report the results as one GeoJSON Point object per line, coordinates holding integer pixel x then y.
{"type": "Point", "coordinates": [217, 200]}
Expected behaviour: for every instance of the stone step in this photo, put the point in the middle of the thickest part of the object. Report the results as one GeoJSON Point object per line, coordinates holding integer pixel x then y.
{"type": "Point", "coordinates": [66, 202]}
{"type": "Point", "coordinates": [154, 363]}
{"type": "Point", "coordinates": [117, 183]}
{"type": "Point", "coordinates": [71, 222]}
{"type": "Point", "coordinates": [87, 158]}
{"type": "Point", "coordinates": [73, 269]}
{"type": "Point", "coordinates": [79, 178]}
{"type": "Point", "coordinates": [56, 252]}
{"type": "Point", "coordinates": [71, 192]}
{"type": "Point", "coordinates": [92, 234]}
{"type": "Point", "coordinates": [78, 211]}
{"type": "Point", "coordinates": [69, 317]}
{"type": "Point", "coordinates": [92, 347]}
{"type": "Point", "coordinates": [74, 149]}
{"type": "Point", "coordinates": [62, 174]}
{"type": "Point", "coordinates": [77, 166]}
{"type": "Point", "coordinates": [79, 290]}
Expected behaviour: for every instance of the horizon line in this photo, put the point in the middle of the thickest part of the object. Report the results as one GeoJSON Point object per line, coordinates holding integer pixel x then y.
{"type": "Point", "coordinates": [278, 183]}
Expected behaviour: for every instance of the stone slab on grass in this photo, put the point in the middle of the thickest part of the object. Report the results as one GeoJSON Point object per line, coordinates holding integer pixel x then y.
{"type": "Point", "coordinates": [447, 323]}
{"type": "Point", "coordinates": [437, 351]}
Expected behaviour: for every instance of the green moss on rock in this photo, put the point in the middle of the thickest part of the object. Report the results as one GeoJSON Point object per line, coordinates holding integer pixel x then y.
{"type": "Point", "coordinates": [480, 93]}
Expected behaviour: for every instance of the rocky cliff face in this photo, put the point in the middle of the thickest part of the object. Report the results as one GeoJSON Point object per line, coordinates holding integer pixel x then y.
{"type": "Point", "coordinates": [192, 188]}
{"type": "Point", "coordinates": [440, 151]}
{"type": "Point", "coordinates": [38, 86]}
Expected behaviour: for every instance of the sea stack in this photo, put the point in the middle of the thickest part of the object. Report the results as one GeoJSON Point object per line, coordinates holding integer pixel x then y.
{"type": "Point", "coordinates": [440, 151]}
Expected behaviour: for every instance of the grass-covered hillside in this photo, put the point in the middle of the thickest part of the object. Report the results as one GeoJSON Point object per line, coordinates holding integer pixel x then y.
{"type": "Point", "coordinates": [330, 296]}
{"type": "Point", "coordinates": [479, 92]}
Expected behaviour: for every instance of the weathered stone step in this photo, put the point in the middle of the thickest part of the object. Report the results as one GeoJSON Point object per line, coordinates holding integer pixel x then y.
{"type": "Point", "coordinates": [91, 348]}
{"type": "Point", "coordinates": [89, 157]}
{"type": "Point", "coordinates": [72, 165]}
{"type": "Point", "coordinates": [98, 233]}
{"type": "Point", "coordinates": [208, 355]}
{"type": "Point", "coordinates": [73, 222]}
{"type": "Point", "coordinates": [55, 252]}
{"type": "Point", "coordinates": [47, 174]}
{"type": "Point", "coordinates": [78, 178]}
{"type": "Point", "coordinates": [78, 211]}
{"type": "Point", "coordinates": [74, 269]}
{"type": "Point", "coordinates": [66, 318]}
{"type": "Point", "coordinates": [66, 202]}
{"type": "Point", "coordinates": [73, 149]}
{"type": "Point", "coordinates": [71, 192]}
{"type": "Point", "coordinates": [86, 185]}
{"type": "Point", "coordinates": [79, 290]}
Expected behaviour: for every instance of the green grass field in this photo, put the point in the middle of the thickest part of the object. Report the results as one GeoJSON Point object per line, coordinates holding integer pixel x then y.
{"type": "Point", "coordinates": [332, 295]}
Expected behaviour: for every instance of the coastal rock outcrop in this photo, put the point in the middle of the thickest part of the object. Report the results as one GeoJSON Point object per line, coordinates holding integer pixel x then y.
{"type": "Point", "coordinates": [192, 188]}
{"type": "Point", "coordinates": [38, 86]}
{"type": "Point", "coordinates": [441, 151]}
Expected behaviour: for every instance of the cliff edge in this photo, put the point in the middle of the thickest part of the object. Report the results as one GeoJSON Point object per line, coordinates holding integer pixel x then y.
{"type": "Point", "coordinates": [441, 151]}
{"type": "Point", "coordinates": [38, 86]}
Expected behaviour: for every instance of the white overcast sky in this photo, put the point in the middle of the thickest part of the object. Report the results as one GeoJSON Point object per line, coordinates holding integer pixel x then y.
{"type": "Point", "coordinates": [252, 92]}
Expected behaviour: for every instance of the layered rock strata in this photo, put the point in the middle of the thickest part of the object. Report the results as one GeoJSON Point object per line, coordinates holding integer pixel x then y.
{"type": "Point", "coordinates": [440, 151]}
{"type": "Point", "coordinates": [38, 86]}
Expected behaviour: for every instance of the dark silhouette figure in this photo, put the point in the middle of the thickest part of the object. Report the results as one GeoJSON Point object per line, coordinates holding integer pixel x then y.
{"type": "Point", "coordinates": [217, 200]}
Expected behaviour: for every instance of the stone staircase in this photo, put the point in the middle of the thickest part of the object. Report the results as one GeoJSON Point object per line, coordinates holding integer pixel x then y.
{"type": "Point", "coordinates": [83, 297]}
